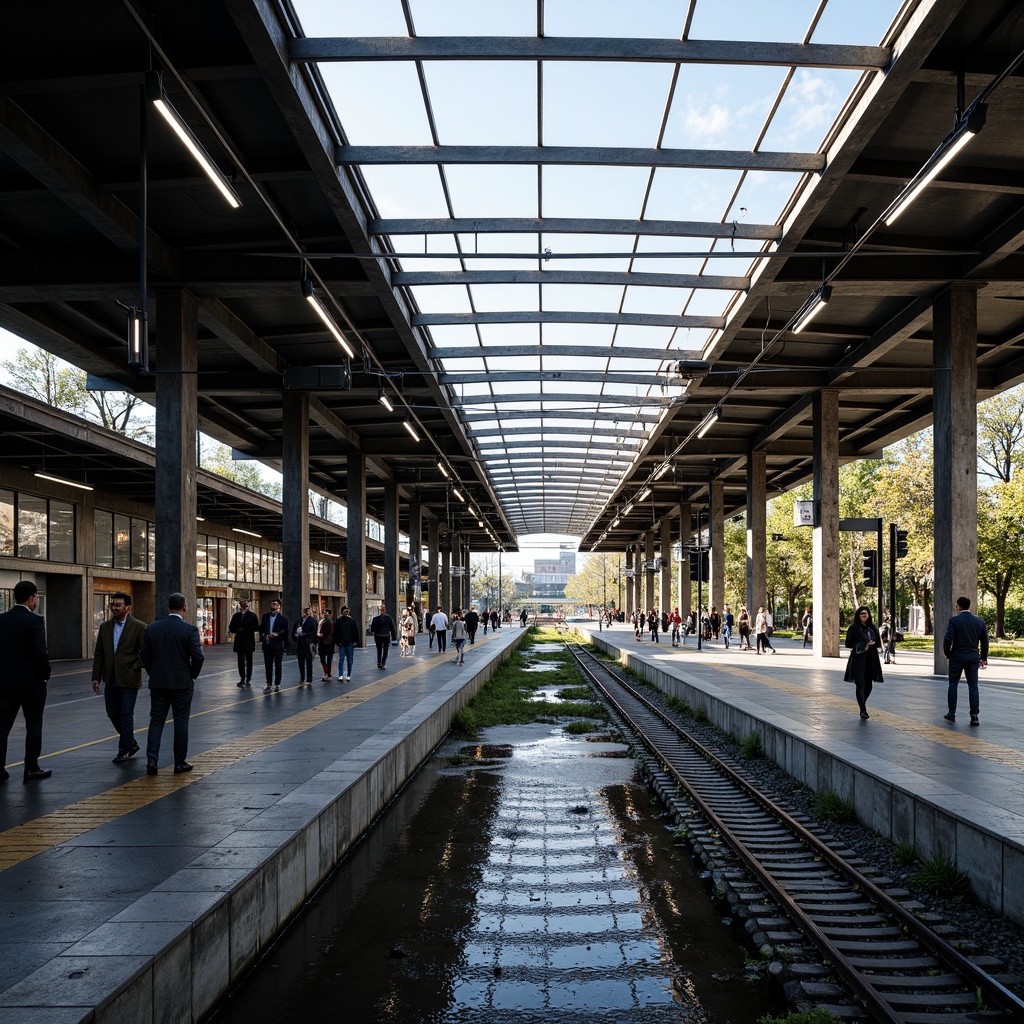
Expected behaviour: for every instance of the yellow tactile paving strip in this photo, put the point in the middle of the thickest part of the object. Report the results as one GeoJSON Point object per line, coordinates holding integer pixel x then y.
{"type": "Point", "coordinates": [949, 737]}
{"type": "Point", "coordinates": [34, 837]}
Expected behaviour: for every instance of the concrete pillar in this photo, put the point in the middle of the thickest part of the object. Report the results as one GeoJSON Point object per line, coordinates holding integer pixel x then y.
{"type": "Point", "coordinates": [391, 549]}
{"type": "Point", "coordinates": [433, 545]}
{"type": "Point", "coordinates": [757, 511]}
{"type": "Point", "coordinates": [825, 572]}
{"type": "Point", "coordinates": [665, 602]}
{"type": "Point", "coordinates": [355, 558]}
{"type": "Point", "coordinates": [649, 600]}
{"type": "Point", "coordinates": [414, 590]}
{"type": "Point", "coordinates": [176, 425]}
{"type": "Point", "coordinates": [685, 538]}
{"type": "Point", "coordinates": [955, 440]}
{"type": "Point", "coordinates": [628, 581]}
{"type": "Point", "coordinates": [445, 595]}
{"type": "Point", "coordinates": [295, 504]}
{"type": "Point", "coordinates": [456, 591]}
{"type": "Point", "coordinates": [716, 584]}
{"type": "Point", "coordinates": [467, 579]}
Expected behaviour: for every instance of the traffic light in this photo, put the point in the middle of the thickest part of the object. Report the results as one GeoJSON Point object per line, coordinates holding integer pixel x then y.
{"type": "Point", "coordinates": [870, 563]}
{"type": "Point", "coordinates": [901, 543]}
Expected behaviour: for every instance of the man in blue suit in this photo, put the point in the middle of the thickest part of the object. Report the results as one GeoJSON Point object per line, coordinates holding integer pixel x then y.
{"type": "Point", "coordinates": [965, 634]}
{"type": "Point", "coordinates": [23, 681]}
{"type": "Point", "coordinates": [173, 656]}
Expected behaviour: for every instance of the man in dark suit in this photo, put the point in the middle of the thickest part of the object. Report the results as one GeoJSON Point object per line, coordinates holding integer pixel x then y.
{"type": "Point", "coordinates": [964, 635]}
{"type": "Point", "coordinates": [23, 681]}
{"type": "Point", "coordinates": [117, 662]}
{"type": "Point", "coordinates": [244, 625]}
{"type": "Point", "coordinates": [274, 635]}
{"type": "Point", "coordinates": [173, 656]}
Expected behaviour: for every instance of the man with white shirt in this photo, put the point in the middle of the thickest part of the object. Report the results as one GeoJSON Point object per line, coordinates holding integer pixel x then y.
{"type": "Point", "coordinates": [117, 663]}
{"type": "Point", "coordinates": [439, 623]}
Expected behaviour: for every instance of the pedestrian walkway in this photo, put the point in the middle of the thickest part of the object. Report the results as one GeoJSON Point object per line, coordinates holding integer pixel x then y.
{"type": "Point", "coordinates": [132, 898]}
{"type": "Point", "coordinates": [945, 787]}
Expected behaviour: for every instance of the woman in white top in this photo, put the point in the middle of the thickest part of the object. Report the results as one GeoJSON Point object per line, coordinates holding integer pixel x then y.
{"type": "Point", "coordinates": [761, 624]}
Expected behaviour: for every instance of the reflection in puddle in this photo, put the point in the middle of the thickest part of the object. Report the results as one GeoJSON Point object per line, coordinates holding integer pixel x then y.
{"type": "Point", "coordinates": [549, 891]}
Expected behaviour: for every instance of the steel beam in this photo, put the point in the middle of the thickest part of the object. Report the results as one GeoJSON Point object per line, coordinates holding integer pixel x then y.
{"type": "Point", "coordinates": [529, 316]}
{"type": "Point", "coordinates": [623, 279]}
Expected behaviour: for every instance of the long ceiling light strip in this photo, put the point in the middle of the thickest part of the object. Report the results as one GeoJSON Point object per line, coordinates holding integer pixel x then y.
{"type": "Point", "coordinates": [321, 311]}
{"type": "Point", "coordinates": [156, 95]}
{"type": "Point", "coordinates": [61, 480]}
{"type": "Point", "coordinates": [811, 308]}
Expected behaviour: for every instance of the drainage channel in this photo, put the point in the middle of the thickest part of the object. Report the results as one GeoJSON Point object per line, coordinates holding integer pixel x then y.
{"type": "Point", "coordinates": [527, 876]}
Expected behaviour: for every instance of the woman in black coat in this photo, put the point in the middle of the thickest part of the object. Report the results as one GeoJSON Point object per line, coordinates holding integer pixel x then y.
{"type": "Point", "coordinates": [863, 666]}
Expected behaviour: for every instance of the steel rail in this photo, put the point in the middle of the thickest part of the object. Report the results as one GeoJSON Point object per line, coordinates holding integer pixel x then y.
{"type": "Point", "coordinates": [994, 991]}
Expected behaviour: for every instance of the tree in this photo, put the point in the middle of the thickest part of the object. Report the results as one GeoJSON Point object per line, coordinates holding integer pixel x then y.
{"type": "Point", "coordinates": [1000, 541]}
{"type": "Point", "coordinates": [41, 375]}
{"type": "Point", "coordinates": [216, 458]}
{"type": "Point", "coordinates": [485, 582]}
{"type": "Point", "coordinates": [594, 582]}
{"type": "Point", "coordinates": [1001, 433]}
{"type": "Point", "coordinates": [788, 573]}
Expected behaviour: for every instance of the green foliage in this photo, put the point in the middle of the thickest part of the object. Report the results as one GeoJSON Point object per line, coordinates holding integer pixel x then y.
{"type": "Point", "coordinates": [577, 728]}
{"type": "Point", "coordinates": [595, 582]}
{"type": "Point", "coordinates": [940, 876]}
{"type": "Point", "coordinates": [483, 570]}
{"type": "Point", "coordinates": [905, 854]}
{"type": "Point", "coordinates": [816, 1016]}
{"type": "Point", "coordinates": [700, 715]}
{"type": "Point", "coordinates": [678, 704]}
{"type": "Point", "coordinates": [576, 693]}
{"type": "Point", "coordinates": [830, 806]}
{"type": "Point", "coordinates": [216, 458]}
{"type": "Point", "coordinates": [751, 747]}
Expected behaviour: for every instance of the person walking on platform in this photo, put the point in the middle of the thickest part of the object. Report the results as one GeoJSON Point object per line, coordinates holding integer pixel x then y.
{"type": "Point", "coordinates": [495, 621]}
{"type": "Point", "coordinates": [305, 645]}
{"type": "Point", "coordinates": [863, 667]}
{"type": "Point", "coordinates": [675, 620]}
{"type": "Point", "coordinates": [407, 633]}
{"type": "Point", "coordinates": [728, 620]}
{"type": "Point", "coordinates": [459, 635]}
{"type": "Point", "coordinates": [524, 617]}
{"type": "Point", "coordinates": [653, 622]}
{"type": "Point", "coordinates": [117, 663]}
{"type": "Point", "coordinates": [325, 644]}
{"type": "Point", "coordinates": [274, 637]}
{"type": "Point", "coordinates": [761, 629]}
{"type": "Point", "coordinates": [172, 654]}
{"type": "Point", "coordinates": [472, 621]}
{"type": "Point", "coordinates": [807, 622]}
{"type": "Point", "coordinates": [382, 626]}
{"type": "Point", "coordinates": [244, 626]}
{"type": "Point", "coordinates": [439, 623]}
{"type": "Point", "coordinates": [346, 636]}
{"type": "Point", "coordinates": [23, 681]}
{"type": "Point", "coordinates": [966, 646]}
{"type": "Point", "coordinates": [428, 624]}
{"type": "Point", "coordinates": [743, 623]}
{"type": "Point", "coordinates": [485, 619]}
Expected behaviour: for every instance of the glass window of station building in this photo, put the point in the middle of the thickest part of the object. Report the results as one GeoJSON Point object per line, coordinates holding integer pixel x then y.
{"type": "Point", "coordinates": [35, 527]}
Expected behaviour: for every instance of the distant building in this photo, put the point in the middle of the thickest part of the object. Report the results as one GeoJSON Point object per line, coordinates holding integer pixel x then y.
{"type": "Point", "coordinates": [545, 586]}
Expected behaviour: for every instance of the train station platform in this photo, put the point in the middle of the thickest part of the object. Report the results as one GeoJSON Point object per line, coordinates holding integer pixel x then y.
{"type": "Point", "coordinates": [947, 788]}
{"type": "Point", "coordinates": [133, 898]}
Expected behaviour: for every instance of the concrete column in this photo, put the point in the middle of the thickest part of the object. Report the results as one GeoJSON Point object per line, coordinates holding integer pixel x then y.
{"type": "Point", "coordinates": [176, 425]}
{"type": "Point", "coordinates": [414, 590]}
{"type": "Point", "coordinates": [467, 580]}
{"type": "Point", "coordinates": [665, 603]}
{"type": "Point", "coordinates": [685, 538]}
{"type": "Point", "coordinates": [757, 511]}
{"type": "Point", "coordinates": [295, 503]}
{"type": "Point", "coordinates": [355, 558]}
{"type": "Point", "coordinates": [955, 440]}
{"type": "Point", "coordinates": [716, 585]}
{"type": "Point", "coordinates": [445, 596]}
{"type": "Point", "coordinates": [433, 544]}
{"type": "Point", "coordinates": [391, 549]}
{"type": "Point", "coordinates": [628, 583]}
{"type": "Point", "coordinates": [649, 600]}
{"type": "Point", "coordinates": [456, 590]}
{"type": "Point", "coordinates": [825, 572]}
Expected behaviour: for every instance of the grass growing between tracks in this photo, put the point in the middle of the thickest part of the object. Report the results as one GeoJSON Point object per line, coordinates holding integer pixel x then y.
{"type": "Point", "coordinates": [508, 697]}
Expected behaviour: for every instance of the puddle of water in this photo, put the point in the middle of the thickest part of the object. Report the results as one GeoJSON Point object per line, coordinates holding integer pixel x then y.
{"type": "Point", "coordinates": [550, 891]}
{"type": "Point", "coordinates": [542, 666]}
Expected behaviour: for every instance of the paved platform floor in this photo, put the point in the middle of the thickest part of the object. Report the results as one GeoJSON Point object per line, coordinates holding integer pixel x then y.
{"type": "Point", "coordinates": [100, 864]}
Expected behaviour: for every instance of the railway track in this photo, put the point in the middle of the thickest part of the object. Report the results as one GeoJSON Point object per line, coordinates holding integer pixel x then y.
{"type": "Point", "coordinates": [891, 961]}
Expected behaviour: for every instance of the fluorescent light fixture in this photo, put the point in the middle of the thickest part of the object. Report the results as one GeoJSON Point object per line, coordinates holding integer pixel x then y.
{"type": "Point", "coordinates": [444, 471]}
{"type": "Point", "coordinates": [628, 509]}
{"type": "Point", "coordinates": [709, 421]}
{"type": "Point", "coordinates": [61, 480]}
{"type": "Point", "coordinates": [458, 494]}
{"type": "Point", "coordinates": [248, 533]}
{"type": "Point", "coordinates": [615, 522]}
{"type": "Point", "coordinates": [661, 471]}
{"type": "Point", "coordinates": [812, 307]}
{"type": "Point", "coordinates": [136, 334]}
{"type": "Point", "coordinates": [479, 522]}
{"type": "Point", "coordinates": [330, 554]}
{"type": "Point", "coordinates": [200, 519]}
{"type": "Point", "coordinates": [644, 494]}
{"type": "Point", "coordinates": [155, 93]}
{"type": "Point", "coordinates": [382, 397]}
{"type": "Point", "coordinates": [412, 432]}
{"type": "Point", "coordinates": [472, 511]}
{"type": "Point", "coordinates": [321, 311]}
{"type": "Point", "coordinates": [965, 130]}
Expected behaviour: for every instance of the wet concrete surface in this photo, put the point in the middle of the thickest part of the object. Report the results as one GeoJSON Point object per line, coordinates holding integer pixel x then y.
{"type": "Point", "coordinates": [527, 877]}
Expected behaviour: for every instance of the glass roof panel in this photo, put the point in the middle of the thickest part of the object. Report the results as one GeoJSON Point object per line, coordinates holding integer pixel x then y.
{"type": "Point", "coordinates": [368, 111]}
{"type": "Point", "coordinates": [571, 191]}
{"type": "Point", "coordinates": [771, 22]}
{"type": "Point", "coordinates": [809, 108]}
{"type": "Point", "coordinates": [480, 103]}
{"type": "Point", "coordinates": [472, 18]}
{"type": "Point", "coordinates": [638, 19]}
{"type": "Point", "coordinates": [406, 190]}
